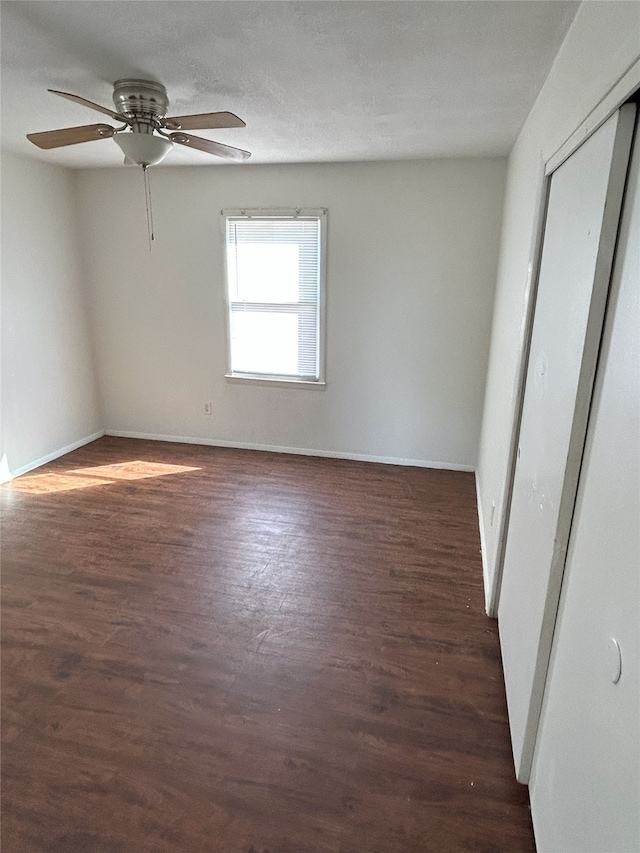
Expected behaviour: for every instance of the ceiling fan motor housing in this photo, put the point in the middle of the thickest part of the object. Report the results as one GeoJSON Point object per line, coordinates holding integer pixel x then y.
{"type": "Point", "coordinates": [142, 101]}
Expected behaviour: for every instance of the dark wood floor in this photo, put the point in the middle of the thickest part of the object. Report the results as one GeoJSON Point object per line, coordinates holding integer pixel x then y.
{"type": "Point", "coordinates": [249, 652]}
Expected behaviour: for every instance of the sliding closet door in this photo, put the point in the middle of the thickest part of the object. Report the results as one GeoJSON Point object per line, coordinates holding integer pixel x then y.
{"type": "Point", "coordinates": [585, 783]}
{"type": "Point", "coordinates": [582, 219]}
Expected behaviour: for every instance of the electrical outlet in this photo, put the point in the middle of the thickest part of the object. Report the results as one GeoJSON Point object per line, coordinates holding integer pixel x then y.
{"type": "Point", "coordinates": [207, 408]}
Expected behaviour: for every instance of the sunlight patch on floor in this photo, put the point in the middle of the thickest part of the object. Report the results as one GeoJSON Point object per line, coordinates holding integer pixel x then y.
{"type": "Point", "coordinates": [134, 470]}
{"type": "Point", "coordinates": [100, 475]}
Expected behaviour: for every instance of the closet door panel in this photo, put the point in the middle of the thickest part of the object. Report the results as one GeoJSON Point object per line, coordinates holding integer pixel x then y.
{"type": "Point", "coordinates": [582, 218]}
{"type": "Point", "coordinates": [585, 787]}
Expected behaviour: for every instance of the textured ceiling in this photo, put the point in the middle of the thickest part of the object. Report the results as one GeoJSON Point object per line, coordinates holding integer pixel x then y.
{"type": "Point", "coordinates": [315, 81]}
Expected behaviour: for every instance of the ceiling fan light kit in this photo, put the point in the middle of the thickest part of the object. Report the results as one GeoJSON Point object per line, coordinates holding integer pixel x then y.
{"type": "Point", "coordinates": [144, 149]}
{"type": "Point", "coordinates": [147, 135]}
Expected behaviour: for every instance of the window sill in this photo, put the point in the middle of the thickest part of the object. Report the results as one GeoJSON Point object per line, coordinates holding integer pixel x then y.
{"type": "Point", "coordinates": [255, 379]}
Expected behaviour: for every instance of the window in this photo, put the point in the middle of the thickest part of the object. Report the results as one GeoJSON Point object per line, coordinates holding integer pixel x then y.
{"type": "Point", "coordinates": [275, 272]}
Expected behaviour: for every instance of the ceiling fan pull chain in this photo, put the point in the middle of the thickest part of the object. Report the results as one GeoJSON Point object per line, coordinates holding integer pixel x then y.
{"type": "Point", "coordinates": [147, 199]}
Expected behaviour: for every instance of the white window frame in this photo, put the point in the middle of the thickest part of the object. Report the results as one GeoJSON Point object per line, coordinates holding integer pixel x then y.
{"type": "Point", "coordinates": [280, 213]}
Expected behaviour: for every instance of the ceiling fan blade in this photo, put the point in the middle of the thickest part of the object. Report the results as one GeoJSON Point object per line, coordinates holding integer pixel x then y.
{"type": "Point", "coordinates": [204, 121]}
{"type": "Point", "coordinates": [209, 146]}
{"type": "Point", "coordinates": [85, 103]}
{"type": "Point", "coordinates": [71, 135]}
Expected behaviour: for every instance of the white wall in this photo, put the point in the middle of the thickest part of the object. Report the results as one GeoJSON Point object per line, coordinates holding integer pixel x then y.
{"type": "Point", "coordinates": [49, 398]}
{"type": "Point", "coordinates": [411, 270]}
{"type": "Point", "coordinates": [600, 46]}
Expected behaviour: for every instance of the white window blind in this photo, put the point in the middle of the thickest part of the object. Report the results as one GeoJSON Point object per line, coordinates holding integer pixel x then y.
{"type": "Point", "coordinates": [274, 294]}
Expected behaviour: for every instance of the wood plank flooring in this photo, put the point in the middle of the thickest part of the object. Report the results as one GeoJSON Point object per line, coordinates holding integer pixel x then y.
{"type": "Point", "coordinates": [223, 651]}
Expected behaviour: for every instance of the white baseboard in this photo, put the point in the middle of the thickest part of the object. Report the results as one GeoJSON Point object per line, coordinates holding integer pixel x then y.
{"type": "Point", "coordinates": [24, 469]}
{"type": "Point", "coordinates": [483, 554]}
{"type": "Point", "coordinates": [300, 451]}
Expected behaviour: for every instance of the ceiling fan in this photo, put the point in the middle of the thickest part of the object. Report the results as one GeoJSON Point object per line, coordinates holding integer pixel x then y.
{"type": "Point", "coordinates": [147, 134]}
